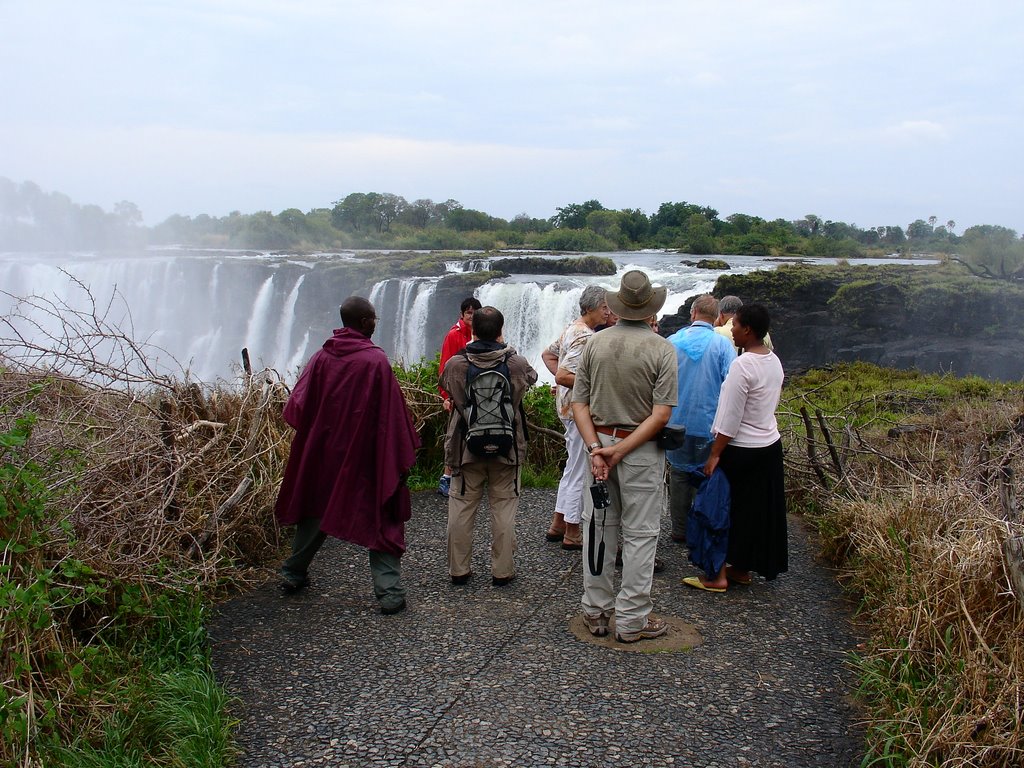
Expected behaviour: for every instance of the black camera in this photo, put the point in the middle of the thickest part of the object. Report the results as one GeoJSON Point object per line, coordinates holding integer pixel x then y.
{"type": "Point", "coordinates": [599, 493]}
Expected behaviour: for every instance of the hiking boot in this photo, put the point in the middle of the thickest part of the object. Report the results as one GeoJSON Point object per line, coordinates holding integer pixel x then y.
{"type": "Point", "coordinates": [598, 625]}
{"type": "Point", "coordinates": [444, 485]}
{"type": "Point", "coordinates": [290, 584]}
{"type": "Point", "coordinates": [390, 609]}
{"type": "Point", "coordinates": [654, 628]}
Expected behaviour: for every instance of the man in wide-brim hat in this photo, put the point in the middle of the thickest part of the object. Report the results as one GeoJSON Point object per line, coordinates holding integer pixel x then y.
{"type": "Point", "coordinates": [623, 395]}
{"type": "Point", "coordinates": [636, 299]}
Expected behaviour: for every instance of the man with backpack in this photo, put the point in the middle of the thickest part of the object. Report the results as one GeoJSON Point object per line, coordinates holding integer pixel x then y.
{"type": "Point", "coordinates": [485, 444]}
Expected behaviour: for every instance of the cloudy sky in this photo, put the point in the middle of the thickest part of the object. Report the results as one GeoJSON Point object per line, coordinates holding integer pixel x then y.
{"type": "Point", "coordinates": [865, 112]}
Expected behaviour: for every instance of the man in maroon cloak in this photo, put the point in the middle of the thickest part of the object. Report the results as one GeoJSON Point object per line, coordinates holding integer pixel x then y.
{"type": "Point", "coordinates": [354, 445]}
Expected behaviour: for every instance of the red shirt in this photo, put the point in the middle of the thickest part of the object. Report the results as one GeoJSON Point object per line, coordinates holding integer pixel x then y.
{"type": "Point", "coordinates": [459, 335]}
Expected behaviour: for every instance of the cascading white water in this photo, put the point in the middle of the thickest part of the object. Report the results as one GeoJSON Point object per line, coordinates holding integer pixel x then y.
{"type": "Point", "coordinates": [192, 313]}
{"type": "Point", "coordinates": [282, 347]}
{"type": "Point", "coordinates": [535, 315]}
{"type": "Point", "coordinates": [405, 316]}
{"type": "Point", "coordinates": [202, 307]}
{"type": "Point", "coordinates": [255, 329]}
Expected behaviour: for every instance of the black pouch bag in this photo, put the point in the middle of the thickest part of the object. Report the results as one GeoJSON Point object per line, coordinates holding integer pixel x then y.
{"type": "Point", "coordinates": [671, 438]}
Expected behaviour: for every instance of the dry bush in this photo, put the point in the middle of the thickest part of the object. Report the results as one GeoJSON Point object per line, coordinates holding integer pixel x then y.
{"type": "Point", "coordinates": [149, 486]}
{"type": "Point", "coordinates": [918, 519]}
{"type": "Point", "coordinates": [147, 469]}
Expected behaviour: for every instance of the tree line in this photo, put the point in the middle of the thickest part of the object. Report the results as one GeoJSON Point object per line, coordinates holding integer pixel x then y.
{"type": "Point", "coordinates": [30, 218]}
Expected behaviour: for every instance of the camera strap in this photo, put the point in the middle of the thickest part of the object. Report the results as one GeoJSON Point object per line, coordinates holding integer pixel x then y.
{"type": "Point", "coordinates": [598, 567]}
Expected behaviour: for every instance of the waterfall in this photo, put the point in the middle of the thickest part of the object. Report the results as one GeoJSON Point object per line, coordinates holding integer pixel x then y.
{"type": "Point", "coordinates": [284, 332]}
{"type": "Point", "coordinates": [202, 307]}
{"type": "Point", "coordinates": [298, 359]}
{"type": "Point", "coordinates": [402, 321]}
{"type": "Point", "coordinates": [255, 329]}
{"type": "Point", "coordinates": [535, 315]}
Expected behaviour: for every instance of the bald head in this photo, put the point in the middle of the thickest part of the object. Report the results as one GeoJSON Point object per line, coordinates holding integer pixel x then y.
{"type": "Point", "coordinates": [358, 314]}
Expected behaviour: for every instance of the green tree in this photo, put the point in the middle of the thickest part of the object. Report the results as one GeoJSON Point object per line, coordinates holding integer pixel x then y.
{"type": "Point", "coordinates": [919, 229]}
{"type": "Point", "coordinates": [699, 234]}
{"type": "Point", "coordinates": [676, 215]}
{"type": "Point", "coordinates": [741, 223]}
{"type": "Point", "coordinates": [386, 208]}
{"type": "Point", "coordinates": [466, 219]}
{"type": "Point", "coordinates": [293, 220]}
{"type": "Point", "coordinates": [992, 252]}
{"type": "Point", "coordinates": [523, 222]}
{"type": "Point", "coordinates": [605, 223]}
{"type": "Point", "coordinates": [355, 212]}
{"type": "Point", "coordinates": [574, 215]}
{"type": "Point", "coordinates": [634, 224]}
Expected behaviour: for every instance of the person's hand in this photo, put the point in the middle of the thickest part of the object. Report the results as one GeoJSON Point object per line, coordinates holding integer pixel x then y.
{"type": "Point", "coordinates": [448, 404]}
{"type": "Point", "coordinates": [598, 466]}
{"type": "Point", "coordinates": [608, 453]}
{"type": "Point", "coordinates": [710, 465]}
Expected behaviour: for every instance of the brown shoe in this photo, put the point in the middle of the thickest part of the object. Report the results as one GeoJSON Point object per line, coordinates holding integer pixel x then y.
{"type": "Point", "coordinates": [557, 528]}
{"type": "Point", "coordinates": [597, 625]}
{"type": "Point", "coordinates": [573, 538]}
{"type": "Point", "coordinates": [655, 628]}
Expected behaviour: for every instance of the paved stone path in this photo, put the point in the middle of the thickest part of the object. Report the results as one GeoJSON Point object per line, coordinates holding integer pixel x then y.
{"type": "Point", "coordinates": [475, 676]}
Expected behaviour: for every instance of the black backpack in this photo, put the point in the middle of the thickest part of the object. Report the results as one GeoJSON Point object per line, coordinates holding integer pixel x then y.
{"type": "Point", "coordinates": [490, 423]}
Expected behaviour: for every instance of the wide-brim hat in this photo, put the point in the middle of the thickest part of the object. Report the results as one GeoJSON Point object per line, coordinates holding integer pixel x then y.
{"type": "Point", "coordinates": [636, 299]}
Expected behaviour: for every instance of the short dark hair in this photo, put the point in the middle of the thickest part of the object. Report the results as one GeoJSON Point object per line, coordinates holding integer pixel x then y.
{"type": "Point", "coordinates": [755, 317]}
{"type": "Point", "coordinates": [488, 323]}
{"type": "Point", "coordinates": [354, 310]}
{"type": "Point", "coordinates": [471, 301]}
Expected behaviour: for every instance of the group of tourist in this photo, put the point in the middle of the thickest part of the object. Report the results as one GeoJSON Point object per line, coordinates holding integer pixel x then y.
{"type": "Point", "coordinates": [618, 386]}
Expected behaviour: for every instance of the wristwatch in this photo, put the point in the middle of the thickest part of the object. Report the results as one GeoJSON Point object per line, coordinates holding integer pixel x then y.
{"type": "Point", "coordinates": [593, 446]}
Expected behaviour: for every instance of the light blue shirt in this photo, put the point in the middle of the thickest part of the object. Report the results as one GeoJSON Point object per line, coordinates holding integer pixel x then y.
{"type": "Point", "coordinates": [704, 358]}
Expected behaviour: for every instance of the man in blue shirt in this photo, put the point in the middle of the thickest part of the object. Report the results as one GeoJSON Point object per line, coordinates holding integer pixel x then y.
{"type": "Point", "coordinates": [704, 358]}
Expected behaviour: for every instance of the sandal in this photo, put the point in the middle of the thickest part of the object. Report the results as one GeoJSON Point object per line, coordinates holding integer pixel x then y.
{"type": "Point", "coordinates": [573, 537]}
{"type": "Point", "coordinates": [742, 578]}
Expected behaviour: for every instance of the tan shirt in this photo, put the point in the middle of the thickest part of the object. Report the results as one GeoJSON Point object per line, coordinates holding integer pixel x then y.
{"type": "Point", "coordinates": [624, 372]}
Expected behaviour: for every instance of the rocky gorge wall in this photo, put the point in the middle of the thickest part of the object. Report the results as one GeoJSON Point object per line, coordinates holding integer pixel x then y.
{"type": "Point", "coordinates": [935, 319]}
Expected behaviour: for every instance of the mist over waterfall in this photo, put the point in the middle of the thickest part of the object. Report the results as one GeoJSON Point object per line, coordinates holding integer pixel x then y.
{"type": "Point", "coordinates": [196, 309]}
{"type": "Point", "coordinates": [194, 313]}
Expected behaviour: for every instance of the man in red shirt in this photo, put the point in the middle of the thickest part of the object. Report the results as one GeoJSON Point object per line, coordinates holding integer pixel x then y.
{"type": "Point", "coordinates": [459, 335]}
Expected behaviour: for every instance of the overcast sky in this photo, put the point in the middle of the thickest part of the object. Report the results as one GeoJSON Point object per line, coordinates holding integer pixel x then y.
{"type": "Point", "coordinates": [872, 113]}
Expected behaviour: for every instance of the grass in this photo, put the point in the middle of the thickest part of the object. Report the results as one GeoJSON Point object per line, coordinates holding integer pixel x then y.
{"type": "Point", "coordinates": [917, 526]}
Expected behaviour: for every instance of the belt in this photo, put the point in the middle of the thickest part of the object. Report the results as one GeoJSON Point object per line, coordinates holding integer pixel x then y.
{"type": "Point", "coordinates": [614, 431]}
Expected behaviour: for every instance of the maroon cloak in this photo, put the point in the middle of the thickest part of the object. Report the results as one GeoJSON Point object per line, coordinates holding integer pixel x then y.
{"type": "Point", "coordinates": [354, 441]}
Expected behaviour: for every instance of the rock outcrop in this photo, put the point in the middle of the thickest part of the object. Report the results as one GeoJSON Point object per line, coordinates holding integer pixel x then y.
{"type": "Point", "coordinates": [935, 319]}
